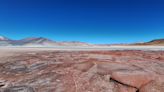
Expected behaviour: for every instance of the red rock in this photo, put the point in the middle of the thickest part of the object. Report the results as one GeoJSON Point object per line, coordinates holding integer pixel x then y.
{"type": "Point", "coordinates": [84, 71]}
{"type": "Point", "coordinates": [123, 88]}
{"type": "Point", "coordinates": [134, 78]}
{"type": "Point", "coordinates": [154, 86]}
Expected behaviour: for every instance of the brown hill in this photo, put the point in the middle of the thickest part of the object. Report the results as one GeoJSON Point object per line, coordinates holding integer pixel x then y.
{"type": "Point", "coordinates": [158, 42]}
{"type": "Point", "coordinates": [38, 41]}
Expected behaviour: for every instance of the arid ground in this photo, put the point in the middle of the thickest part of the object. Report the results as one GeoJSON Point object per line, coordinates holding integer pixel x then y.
{"type": "Point", "coordinates": [54, 70]}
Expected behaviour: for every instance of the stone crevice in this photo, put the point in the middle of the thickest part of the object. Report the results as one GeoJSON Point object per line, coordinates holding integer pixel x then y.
{"type": "Point", "coordinates": [113, 80]}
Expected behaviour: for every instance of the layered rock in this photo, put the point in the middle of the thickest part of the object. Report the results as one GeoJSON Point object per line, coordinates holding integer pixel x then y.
{"type": "Point", "coordinates": [87, 71]}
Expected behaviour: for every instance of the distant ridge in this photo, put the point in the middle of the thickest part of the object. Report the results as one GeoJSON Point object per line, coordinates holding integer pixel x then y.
{"type": "Point", "coordinates": [38, 41]}
{"type": "Point", "coordinates": [3, 38]}
{"type": "Point", "coordinates": [41, 41]}
{"type": "Point", "coordinates": [159, 42]}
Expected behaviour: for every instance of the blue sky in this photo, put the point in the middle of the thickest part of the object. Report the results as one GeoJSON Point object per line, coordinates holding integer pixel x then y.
{"type": "Point", "coordinates": [93, 21]}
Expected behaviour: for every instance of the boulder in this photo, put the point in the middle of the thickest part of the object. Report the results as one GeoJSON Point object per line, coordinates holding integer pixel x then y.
{"type": "Point", "coordinates": [154, 86]}
{"type": "Point", "coordinates": [133, 78]}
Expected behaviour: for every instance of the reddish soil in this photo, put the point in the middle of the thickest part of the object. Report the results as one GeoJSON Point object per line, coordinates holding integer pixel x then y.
{"type": "Point", "coordinates": [83, 71]}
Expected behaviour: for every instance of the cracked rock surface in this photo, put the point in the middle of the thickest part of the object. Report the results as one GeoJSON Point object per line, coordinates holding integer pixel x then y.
{"type": "Point", "coordinates": [83, 71]}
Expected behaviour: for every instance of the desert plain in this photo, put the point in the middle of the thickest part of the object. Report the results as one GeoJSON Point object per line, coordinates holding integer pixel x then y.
{"type": "Point", "coordinates": [82, 69]}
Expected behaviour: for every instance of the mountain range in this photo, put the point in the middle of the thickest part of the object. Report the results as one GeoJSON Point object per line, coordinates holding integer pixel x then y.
{"type": "Point", "coordinates": [38, 41]}
{"type": "Point", "coordinates": [156, 42]}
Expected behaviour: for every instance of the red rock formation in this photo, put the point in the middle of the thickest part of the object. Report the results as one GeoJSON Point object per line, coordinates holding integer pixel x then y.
{"type": "Point", "coordinates": [83, 71]}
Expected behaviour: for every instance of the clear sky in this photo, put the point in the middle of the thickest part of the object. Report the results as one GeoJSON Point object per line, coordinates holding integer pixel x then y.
{"type": "Point", "coordinates": [93, 21]}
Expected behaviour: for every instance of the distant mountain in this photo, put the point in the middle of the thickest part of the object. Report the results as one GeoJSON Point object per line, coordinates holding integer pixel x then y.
{"type": "Point", "coordinates": [156, 42]}
{"type": "Point", "coordinates": [38, 41]}
{"type": "Point", "coordinates": [4, 41]}
{"type": "Point", "coordinates": [33, 41]}
{"type": "Point", "coordinates": [159, 42]}
{"type": "Point", "coordinates": [2, 38]}
{"type": "Point", "coordinates": [74, 43]}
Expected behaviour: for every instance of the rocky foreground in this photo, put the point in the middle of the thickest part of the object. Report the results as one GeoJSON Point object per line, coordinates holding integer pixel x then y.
{"type": "Point", "coordinates": [83, 71]}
